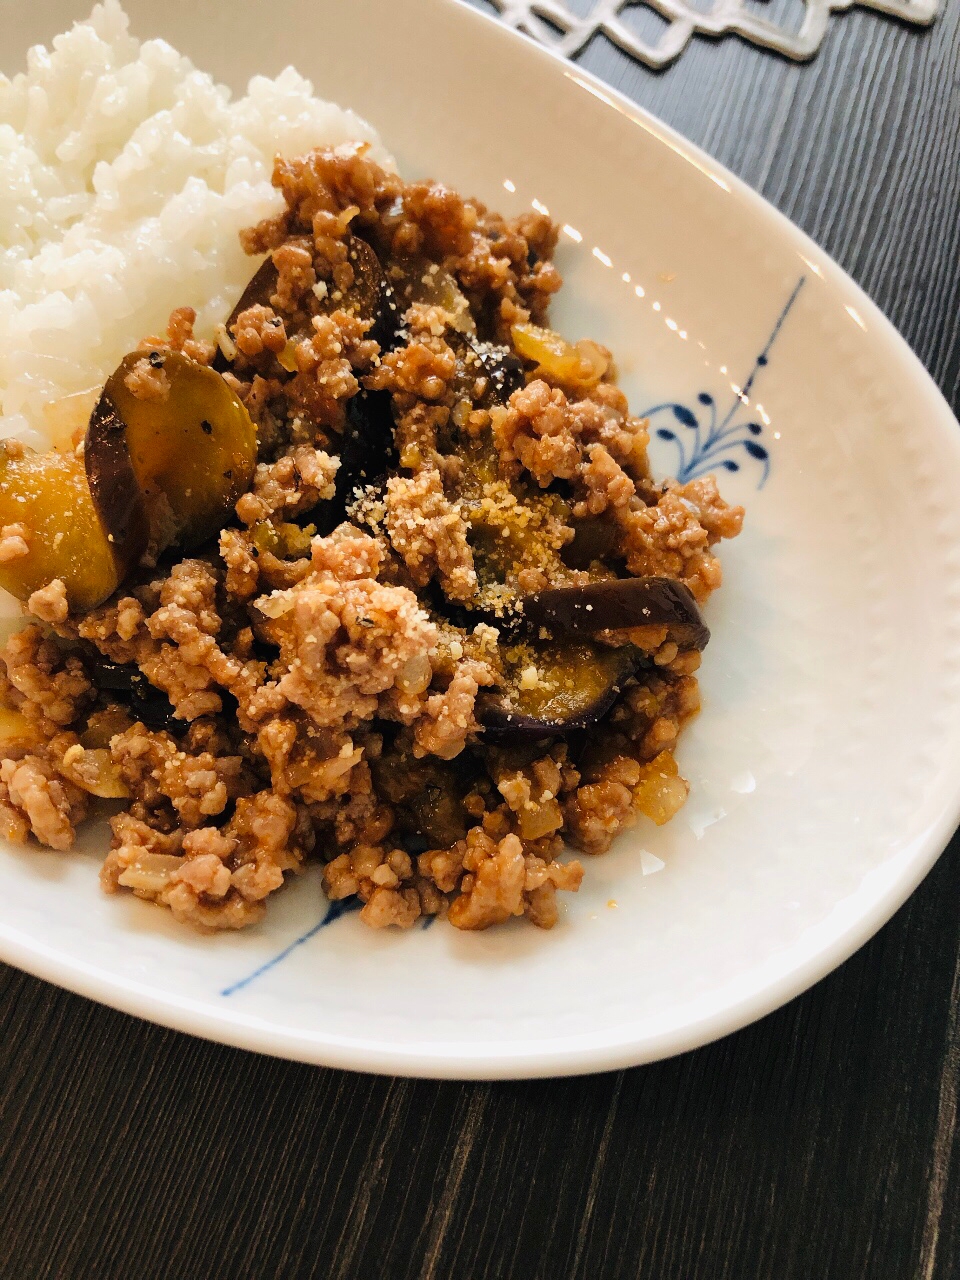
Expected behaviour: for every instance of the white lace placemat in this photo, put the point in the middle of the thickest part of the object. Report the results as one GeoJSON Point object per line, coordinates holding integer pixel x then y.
{"type": "Point", "coordinates": [555, 24]}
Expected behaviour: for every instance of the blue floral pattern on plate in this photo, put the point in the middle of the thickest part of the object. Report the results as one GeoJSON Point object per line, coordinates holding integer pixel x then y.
{"type": "Point", "coordinates": [706, 442]}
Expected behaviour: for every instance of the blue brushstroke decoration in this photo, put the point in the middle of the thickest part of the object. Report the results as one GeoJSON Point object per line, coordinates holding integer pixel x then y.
{"type": "Point", "coordinates": [334, 911]}
{"type": "Point", "coordinates": [705, 442]}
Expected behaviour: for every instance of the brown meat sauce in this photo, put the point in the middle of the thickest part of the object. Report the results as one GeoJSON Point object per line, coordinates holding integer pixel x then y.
{"type": "Point", "coordinates": [342, 673]}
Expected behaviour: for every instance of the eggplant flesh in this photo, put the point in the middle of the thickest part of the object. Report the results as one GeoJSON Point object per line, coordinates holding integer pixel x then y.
{"type": "Point", "coordinates": [48, 494]}
{"type": "Point", "coordinates": [178, 464]}
{"type": "Point", "coordinates": [113, 483]}
{"type": "Point", "coordinates": [619, 604]}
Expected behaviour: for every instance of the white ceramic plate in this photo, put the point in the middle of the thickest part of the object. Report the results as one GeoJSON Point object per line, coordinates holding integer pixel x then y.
{"type": "Point", "coordinates": [825, 767]}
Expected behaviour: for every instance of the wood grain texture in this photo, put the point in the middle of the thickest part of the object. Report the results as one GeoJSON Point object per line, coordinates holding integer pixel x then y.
{"type": "Point", "coordinates": [821, 1143]}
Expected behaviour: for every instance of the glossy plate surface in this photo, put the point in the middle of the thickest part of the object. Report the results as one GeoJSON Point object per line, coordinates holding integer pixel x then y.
{"type": "Point", "coordinates": [825, 767]}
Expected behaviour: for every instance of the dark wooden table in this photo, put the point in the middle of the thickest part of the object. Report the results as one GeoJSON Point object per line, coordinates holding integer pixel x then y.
{"type": "Point", "coordinates": [819, 1143]}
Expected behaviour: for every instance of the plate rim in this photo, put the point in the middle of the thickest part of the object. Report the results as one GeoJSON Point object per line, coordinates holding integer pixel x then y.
{"type": "Point", "coordinates": [603, 1052]}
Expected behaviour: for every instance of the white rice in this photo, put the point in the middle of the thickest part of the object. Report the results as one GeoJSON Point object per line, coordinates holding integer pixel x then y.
{"type": "Point", "coordinates": [125, 176]}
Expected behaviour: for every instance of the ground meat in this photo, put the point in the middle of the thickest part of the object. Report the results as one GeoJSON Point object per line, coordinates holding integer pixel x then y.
{"type": "Point", "coordinates": [654, 712]}
{"type": "Point", "coordinates": [344, 637]}
{"type": "Point", "coordinates": [547, 434]}
{"type": "Point", "coordinates": [148, 381]}
{"type": "Point", "coordinates": [429, 533]}
{"type": "Point", "coordinates": [176, 645]}
{"type": "Point", "coordinates": [239, 554]}
{"type": "Point", "coordinates": [295, 272]}
{"type": "Point", "coordinates": [378, 879]}
{"type": "Point", "coordinates": [540, 433]}
{"type": "Point", "coordinates": [531, 792]}
{"type": "Point", "coordinates": [180, 337]}
{"type": "Point", "coordinates": [416, 436]}
{"type": "Point", "coordinates": [53, 686]}
{"type": "Point", "coordinates": [259, 329]}
{"type": "Point", "coordinates": [159, 773]}
{"type": "Point", "coordinates": [14, 824]}
{"type": "Point", "coordinates": [35, 797]}
{"type": "Point", "coordinates": [674, 537]}
{"type": "Point", "coordinates": [605, 481]}
{"type": "Point", "coordinates": [448, 718]}
{"type": "Point", "coordinates": [327, 367]}
{"type": "Point", "coordinates": [296, 482]}
{"type": "Point", "coordinates": [631, 771]}
{"type": "Point", "coordinates": [314, 763]}
{"type": "Point", "coordinates": [14, 542]}
{"type": "Point", "coordinates": [492, 876]}
{"type": "Point", "coordinates": [541, 882]}
{"type": "Point", "coordinates": [210, 878]}
{"type": "Point", "coordinates": [49, 603]}
{"type": "Point", "coordinates": [150, 864]}
{"type": "Point", "coordinates": [507, 270]}
{"type": "Point", "coordinates": [270, 838]}
{"type": "Point", "coordinates": [421, 371]}
{"type": "Point", "coordinates": [492, 889]}
{"type": "Point", "coordinates": [598, 811]}
{"type": "Point", "coordinates": [398, 907]}
{"type": "Point", "coordinates": [257, 396]}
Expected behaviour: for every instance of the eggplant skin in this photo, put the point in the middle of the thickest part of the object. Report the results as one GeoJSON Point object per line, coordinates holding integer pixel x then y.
{"type": "Point", "coordinates": [371, 295]}
{"type": "Point", "coordinates": [190, 456]}
{"type": "Point", "coordinates": [502, 369]}
{"type": "Point", "coordinates": [503, 725]}
{"type": "Point", "coordinates": [131, 688]}
{"type": "Point", "coordinates": [571, 616]}
{"type": "Point", "coordinates": [367, 453]}
{"type": "Point", "coordinates": [616, 605]}
{"type": "Point", "coordinates": [260, 288]}
{"type": "Point", "coordinates": [113, 484]}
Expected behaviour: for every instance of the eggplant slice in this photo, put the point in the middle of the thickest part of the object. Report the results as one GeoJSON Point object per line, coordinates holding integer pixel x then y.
{"type": "Point", "coordinates": [260, 288]}
{"type": "Point", "coordinates": [554, 690]}
{"type": "Point", "coordinates": [557, 686]}
{"type": "Point", "coordinates": [370, 297]}
{"type": "Point", "coordinates": [48, 495]}
{"type": "Point", "coordinates": [185, 460]}
{"type": "Point", "coordinates": [617, 605]}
